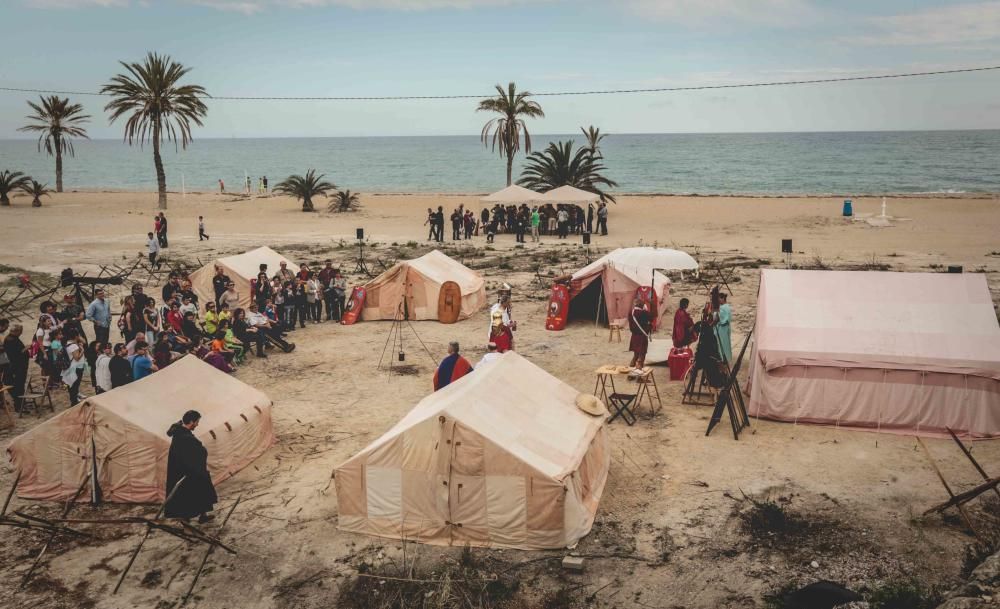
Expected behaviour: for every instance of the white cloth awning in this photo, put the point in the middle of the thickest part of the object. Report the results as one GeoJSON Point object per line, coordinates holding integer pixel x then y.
{"type": "Point", "coordinates": [569, 194]}
{"type": "Point", "coordinates": [513, 194]}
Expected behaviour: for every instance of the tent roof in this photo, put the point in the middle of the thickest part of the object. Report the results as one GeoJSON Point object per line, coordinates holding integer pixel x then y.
{"type": "Point", "coordinates": [160, 399]}
{"type": "Point", "coordinates": [440, 268]}
{"type": "Point", "coordinates": [248, 264]}
{"type": "Point", "coordinates": [639, 263]}
{"type": "Point", "coordinates": [519, 407]}
{"type": "Point", "coordinates": [569, 194]}
{"type": "Point", "coordinates": [513, 194]}
{"type": "Point", "coordinates": [928, 321]}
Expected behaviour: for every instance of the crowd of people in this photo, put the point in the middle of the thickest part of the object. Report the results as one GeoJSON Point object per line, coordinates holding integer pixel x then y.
{"type": "Point", "coordinates": [154, 333]}
{"type": "Point", "coordinates": [559, 220]}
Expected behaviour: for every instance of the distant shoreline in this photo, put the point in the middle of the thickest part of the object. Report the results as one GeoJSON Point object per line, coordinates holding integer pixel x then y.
{"type": "Point", "coordinates": [895, 195]}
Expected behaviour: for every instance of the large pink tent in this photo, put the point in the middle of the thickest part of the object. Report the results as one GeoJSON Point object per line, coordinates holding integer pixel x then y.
{"type": "Point", "coordinates": [914, 353]}
{"type": "Point", "coordinates": [123, 432]}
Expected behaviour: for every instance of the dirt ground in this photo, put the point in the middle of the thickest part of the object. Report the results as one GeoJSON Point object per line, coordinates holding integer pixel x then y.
{"type": "Point", "coordinates": [669, 531]}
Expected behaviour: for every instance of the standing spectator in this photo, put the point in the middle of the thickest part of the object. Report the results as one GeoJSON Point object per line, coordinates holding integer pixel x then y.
{"type": "Point", "coordinates": [142, 366]}
{"type": "Point", "coordinates": [432, 224]}
{"type": "Point", "coordinates": [74, 372]}
{"type": "Point", "coordinates": [314, 297]}
{"type": "Point", "coordinates": [284, 272]}
{"type": "Point", "coordinates": [4, 326]}
{"type": "Point", "coordinates": [590, 217]}
{"type": "Point", "coordinates": [325, 278]}
{"type": "Point", "coordinates": [264, 179]}
{"type": "Point", "coordinates": [151, 317]}
{"type": "Point", "coordinates": [439, 217]}
{"type": "Point", "coordinates": [536, 220]}
{"type": "Point", "coordinates": [520, 221]}
{"type": "Point", "coordinates": [152, 249]}
{"type": "Point", "coordinates": [456, 225]}
{"type": "Point", "coordinates": [17, 366]}
{"type": "Point", "coordinates": [120, 367]}
{"type": "Point", "coordinates": [219, 283]}
{"type": "Point", "coordinates": [602, 218]}
{"type": "Point", "coordinates": [72, 317]}
{"type": "Point", "coordinates": [230, 298]}
{"type": "Point", "coordinates": [170, 289]}
{"type": "Point", "coordinates": [102, 369]}
{"type": "Point", "coordinates": [562, 217]}
{"type": "Point", "coordinates": [301, 302]}
{"type": "Point", "coordinates": [162, 234]}
{"type": "Point", "coordinates": [202, 235]}
{"type": "Point", "coordinates": [278, 300]}
{"type": "Point", "coordinates": [261, 292]}
{"type": "Point", "coordinates": [339, 294]}
{"type": "Point", "coordinates": [640, 324]}
{"type": "Point", "coordinates": [99, 314]}
{"type": "Point", "coordinates": [484, 219]}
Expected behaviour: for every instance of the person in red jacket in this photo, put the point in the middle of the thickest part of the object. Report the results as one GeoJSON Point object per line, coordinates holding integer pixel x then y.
{"type": "Point", "coordinates": [452, 368]}
{"type": "Point", "coordinates": [684, 333]}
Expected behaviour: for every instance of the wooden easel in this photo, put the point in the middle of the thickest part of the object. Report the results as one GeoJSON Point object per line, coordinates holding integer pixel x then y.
{"type": "Point", "coordinates": [731, 398]}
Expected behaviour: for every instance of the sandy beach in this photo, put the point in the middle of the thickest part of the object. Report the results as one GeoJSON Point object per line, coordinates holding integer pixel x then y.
{"type": "Point", "coordinates": [668, 531]}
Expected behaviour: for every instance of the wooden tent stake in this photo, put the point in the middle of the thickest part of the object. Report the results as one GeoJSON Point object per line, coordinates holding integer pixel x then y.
{"type": "Point", "coordinates": [145, 536]}
{"type": "Point", "coordinates": [52, 535]}
{"type": "Point", "coordinates": [209, 551]}
{"type": "Point", "coordinates": [961, 510]}
{"type": "Point", "coordinates": [968, 453]}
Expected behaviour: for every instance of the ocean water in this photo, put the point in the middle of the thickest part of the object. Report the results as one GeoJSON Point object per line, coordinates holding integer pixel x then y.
{"type": "Point", "coordinates": [844, 163]}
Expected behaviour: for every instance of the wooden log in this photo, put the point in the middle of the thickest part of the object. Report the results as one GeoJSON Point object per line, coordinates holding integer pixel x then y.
{"type": "Point", "coordinates": [961, 510]}
{"type": "Point", "coordinates": [963, 498]}
{"type": "Point", "coordinates": [968, 453]}
{"type": "Point", "coordinates": [145, 535]}
{"type": "Point", "coordinates": [208, 552]}
{"type": "Point", "coordinates": [10, 495]}
{"type": "Point", "coordinates": [52, 535]}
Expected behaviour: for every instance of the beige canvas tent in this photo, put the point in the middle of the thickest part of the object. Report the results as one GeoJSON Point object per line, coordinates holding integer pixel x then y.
{"type": "Point", "coordinates": [500, 458]}
{"type": "Point", "coordinates": [241, 268]}
{"type": "Point", "coordinates": [416, 284]}
{"type": "Point", "coordinates": [125, 429]}
{"type": "Point", "coordinates": [915, 353]}
{"type": "Point", "coordinates": [619, 274]}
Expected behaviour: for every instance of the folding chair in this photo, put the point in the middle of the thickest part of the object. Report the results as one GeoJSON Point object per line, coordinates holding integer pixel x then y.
{"type": "Point", "coordinates": [35, 398]}
{"type": "Point", "coordinates": [621, 403]}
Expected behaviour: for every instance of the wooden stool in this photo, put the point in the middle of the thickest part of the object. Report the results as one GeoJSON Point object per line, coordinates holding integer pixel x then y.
{"type": "Point", "coordinates": [615, 327]}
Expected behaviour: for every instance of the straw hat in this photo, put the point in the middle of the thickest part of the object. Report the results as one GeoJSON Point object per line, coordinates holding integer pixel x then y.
{"type": "Point", "coordinates": [591, 405]}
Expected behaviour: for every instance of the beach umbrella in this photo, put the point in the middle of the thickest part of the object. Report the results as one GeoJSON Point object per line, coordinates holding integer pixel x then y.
{"type": "Point", "coordinates": [569, 194]}
{"type": "Point", "coordinates": [512, 194]}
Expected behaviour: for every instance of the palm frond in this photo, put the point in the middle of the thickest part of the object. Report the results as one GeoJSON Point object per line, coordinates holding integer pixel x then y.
{"type": "Point", "coordinates": [558, 165]}
{"type": "Point", "coordinates": [57, 121]}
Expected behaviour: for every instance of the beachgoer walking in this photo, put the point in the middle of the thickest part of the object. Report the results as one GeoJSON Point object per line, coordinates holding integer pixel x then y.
{"type": "Point", "coordinates": [152, 249]}
{"type": "Point", "coordinates": [264, 179]}
{"type": "Point", "coordinates": [432, 224]}
{"type": "Point", "coordinates": [452, 368]}
{"type": "Point", "coordinates": [162, 231]}
{"type": "Point", "coordinates": [187, 464]}
{"type": "Point", "coordinates": [248, 186]}
{"type": "Point", "coordinates": [222, 186]}
{"type": "Point", "coordinates": [202, 235]}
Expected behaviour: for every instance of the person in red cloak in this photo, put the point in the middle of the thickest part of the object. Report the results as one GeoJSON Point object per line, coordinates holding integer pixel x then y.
{"type": "Point", "coordinates": [684, 333]}
{"type": "Point", "coordinates": [502, 326]}
{"type": "Point", "coordinates": [452, 368]}
{"type": "Point", "coordinates": [640, 323]}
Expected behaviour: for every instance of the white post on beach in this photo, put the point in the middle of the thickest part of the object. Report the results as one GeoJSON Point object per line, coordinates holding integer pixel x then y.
{"type": "Point", "coordinates": [183, 188]}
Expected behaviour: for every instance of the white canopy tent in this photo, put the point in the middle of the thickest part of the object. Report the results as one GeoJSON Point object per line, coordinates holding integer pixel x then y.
{"type": "Point", "coordinates": [513, 194]}
{"type": "Point", "coordinates": [569, 194]}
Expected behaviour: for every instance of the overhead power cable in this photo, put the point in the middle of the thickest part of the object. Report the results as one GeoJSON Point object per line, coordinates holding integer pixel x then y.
{"type": "Point", "coordinates": [782, 83]}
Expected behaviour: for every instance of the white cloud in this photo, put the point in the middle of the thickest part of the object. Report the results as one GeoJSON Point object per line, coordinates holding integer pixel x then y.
{"type": "Point", "coordinates": [254, 6]}
{"type": "Point", "coordinates": [710, 12]}
{"type": "Point", "coordinates": [74, 3]}
{"type": "Point", "coordinates": [959, 25]}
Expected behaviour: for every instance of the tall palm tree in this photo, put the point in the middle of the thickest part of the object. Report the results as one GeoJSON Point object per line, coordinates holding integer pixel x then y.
{"type": "Point", "coordinates": [504, 132]}
{"type": "Point", "coordinates": [157, 105]}
{"type": "Point", "coordinates": [345, 200]}
{"type": "Point", "coordinates": [305, 188]}
{"type": "Point", "coordinates": [37, 190]}
{"type": "Point", "coordinates": [57, 121]}
{"type": "Point", "coordinates": [594, 137]}
{"type": "Point", "coordinates": [559, 166]}
{"type": "Point", "coordinates": [9, 182]}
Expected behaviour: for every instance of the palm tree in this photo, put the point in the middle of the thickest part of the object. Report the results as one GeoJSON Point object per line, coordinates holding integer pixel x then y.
{"type": "Point", "coordinates": [57, 121]}
{"type": "Point", "coordinates": [505, 132]}
{"type": "Point", "coordinates": [9, 182]}
{"type": "Point", "coordinates": [36, 190]}
{"type": "Point", "coordinates": [559, 166]}
{"type": "Point", "coordinates": [594, 137]}
{"type": "Point", "coordinates": [305, 188]}
{"type": "Point", "coordinates": [157, 105]}
{"type": "Point", "coordinates": [345, 200]}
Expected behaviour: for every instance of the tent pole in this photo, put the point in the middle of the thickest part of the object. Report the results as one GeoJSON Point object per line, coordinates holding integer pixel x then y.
{"type": "Point", "coordinates": [600, 298]}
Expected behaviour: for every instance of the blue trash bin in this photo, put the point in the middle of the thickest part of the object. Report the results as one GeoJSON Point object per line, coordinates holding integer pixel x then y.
{"type": "Point", "coordinates": [848, 208]}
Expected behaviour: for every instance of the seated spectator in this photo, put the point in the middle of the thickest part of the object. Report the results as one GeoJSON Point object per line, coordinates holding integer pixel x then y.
{"type": "Point", "coordinates": [175, 319]}
{"type": "Point", "coordinates": [218, 345]}
{"type": "Point", "coordinates": [188, 305]}
{"type": "Point", "coordinates": [190, 328]}
{"type": "Point", "coordinates": [232, 342]}
{"type": "Point", "coordinates": [248, 334]}
{"type": "Point", "coordinates": [211, 323]}
{"type": "Point", "coordinates": [272, 331]}
{"type": "Point", "coordinates": [140, 339]}
{"type": "Point", "coordinates": [162, 354]}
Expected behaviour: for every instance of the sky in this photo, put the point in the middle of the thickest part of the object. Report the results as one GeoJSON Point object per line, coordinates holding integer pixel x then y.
{"type": "Point", "coordinates": [465, 47]}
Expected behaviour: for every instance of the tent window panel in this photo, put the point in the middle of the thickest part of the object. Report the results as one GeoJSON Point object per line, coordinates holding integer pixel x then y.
{"type": "Point", "coordinates": [506, 509]}
{"type": "Point", "coordinates": [385, 492]}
